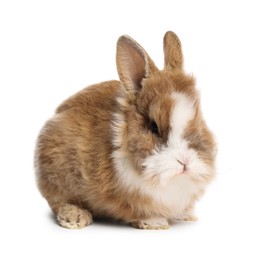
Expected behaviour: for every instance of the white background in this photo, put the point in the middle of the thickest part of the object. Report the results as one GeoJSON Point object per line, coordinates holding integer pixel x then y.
{"type": "Point", "coordinates": [51, 49]}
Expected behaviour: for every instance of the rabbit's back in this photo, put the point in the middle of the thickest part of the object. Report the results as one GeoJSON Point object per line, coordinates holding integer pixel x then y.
{"type": "Point", "coordinates": [74, 145]}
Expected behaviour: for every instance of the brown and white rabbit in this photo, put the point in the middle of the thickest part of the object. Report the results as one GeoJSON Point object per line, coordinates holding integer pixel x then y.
{"type": "Point", "coordinates": [136, 150]}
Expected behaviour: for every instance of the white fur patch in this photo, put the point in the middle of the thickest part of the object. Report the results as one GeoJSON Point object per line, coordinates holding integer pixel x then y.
{"type": "Point", "coordinates": [182, 113]}
{"type": "Point", "coordinates": [165, 165]}
{"type": "Point", "coordinates": [175, 195]}
{"type": "Point", "coordinates": [117, 125]}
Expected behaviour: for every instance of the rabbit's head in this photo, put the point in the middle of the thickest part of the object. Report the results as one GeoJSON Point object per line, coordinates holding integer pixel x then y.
{"type": "Point", "coordinates": [159, 130]}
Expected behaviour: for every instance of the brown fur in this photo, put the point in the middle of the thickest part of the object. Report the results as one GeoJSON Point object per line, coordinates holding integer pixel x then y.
{"type": "Point", "coordinates": [74, 162]}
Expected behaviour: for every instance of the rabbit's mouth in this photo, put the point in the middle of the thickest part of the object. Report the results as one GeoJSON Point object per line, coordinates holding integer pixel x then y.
{"type": "Point", "coordinates": [169, 163]}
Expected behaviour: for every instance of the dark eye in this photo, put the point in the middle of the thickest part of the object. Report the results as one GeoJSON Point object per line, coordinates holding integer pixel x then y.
{"type": "Point", "coordinates": [154, 128]}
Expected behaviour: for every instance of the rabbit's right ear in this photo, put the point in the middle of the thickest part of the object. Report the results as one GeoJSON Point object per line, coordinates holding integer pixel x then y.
{"type": "Point", "coordinates": [133, 64]}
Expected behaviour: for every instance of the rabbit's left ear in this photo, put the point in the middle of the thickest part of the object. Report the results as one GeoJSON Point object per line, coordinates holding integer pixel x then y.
{"type": "Point", "coordinates": [173, 55]}
{"type": "Point", "coordinates": [133, 64]}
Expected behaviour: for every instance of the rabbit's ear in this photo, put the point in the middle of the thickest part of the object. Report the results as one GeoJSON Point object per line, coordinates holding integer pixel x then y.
{"type": "Point", "coordinates": [173, 56]}
{"type": "Point", "coordinates": [133, 64]}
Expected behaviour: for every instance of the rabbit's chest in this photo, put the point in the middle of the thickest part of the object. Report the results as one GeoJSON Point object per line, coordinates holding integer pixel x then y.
{"type": "Point", "coordinates": [170, 200]}
{"type": "Point", "coordinates": [175, 197]}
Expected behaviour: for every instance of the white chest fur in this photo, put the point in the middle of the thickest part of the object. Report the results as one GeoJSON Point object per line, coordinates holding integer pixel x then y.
{"type": "Point", "coordinates": [175, 196]}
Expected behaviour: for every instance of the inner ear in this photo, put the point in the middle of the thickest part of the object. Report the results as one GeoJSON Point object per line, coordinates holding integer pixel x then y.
{"type": "Point", "coordinates": [135, 64]}
{"type": "Point", "coordinates": [132, 63]}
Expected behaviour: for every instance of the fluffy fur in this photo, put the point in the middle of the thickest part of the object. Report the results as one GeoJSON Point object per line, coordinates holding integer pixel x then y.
{"type": "Point", "coordinates": [136, 150]}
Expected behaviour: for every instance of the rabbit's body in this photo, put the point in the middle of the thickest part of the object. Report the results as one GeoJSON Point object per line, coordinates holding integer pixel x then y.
{"type": "Point", "coordinates": [141, 156]}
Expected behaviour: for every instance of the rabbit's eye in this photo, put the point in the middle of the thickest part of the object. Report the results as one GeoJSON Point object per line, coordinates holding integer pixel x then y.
{"type": "Point", "coordinates": [154, 128]}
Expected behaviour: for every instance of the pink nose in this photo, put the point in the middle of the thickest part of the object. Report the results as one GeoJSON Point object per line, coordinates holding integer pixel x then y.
{"type": "Point", "coordinates": [184, 165]}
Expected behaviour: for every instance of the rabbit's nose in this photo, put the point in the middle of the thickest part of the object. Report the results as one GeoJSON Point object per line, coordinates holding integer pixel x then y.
{"type": "Point", "coordinates": [182, 163]}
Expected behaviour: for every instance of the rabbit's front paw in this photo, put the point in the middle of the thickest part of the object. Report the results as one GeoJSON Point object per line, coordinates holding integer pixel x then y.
{"type": "Point", "coordinates": [73, 217]}
{"type": "Point", "coordinates": [190, 218]}
{"type": "Point", "coordinates": [152, 223]}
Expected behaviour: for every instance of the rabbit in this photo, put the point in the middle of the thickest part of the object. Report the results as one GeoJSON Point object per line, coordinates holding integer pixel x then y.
{"type": "Point", "coordinates": [136, 150]}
